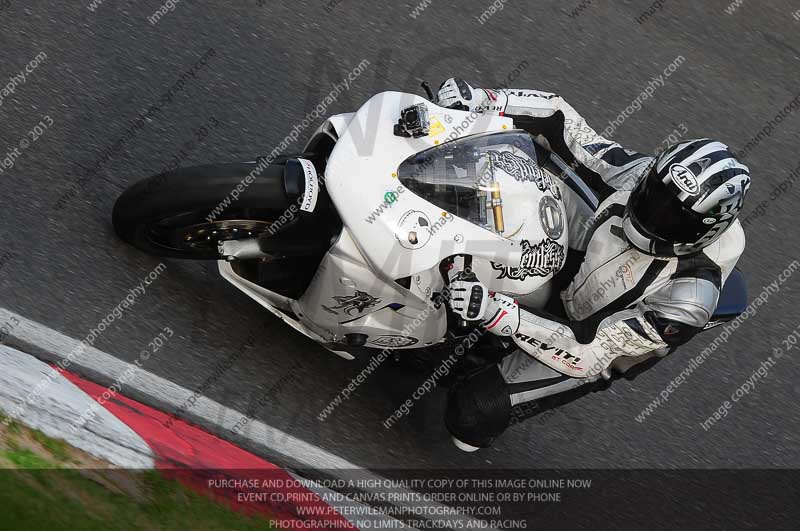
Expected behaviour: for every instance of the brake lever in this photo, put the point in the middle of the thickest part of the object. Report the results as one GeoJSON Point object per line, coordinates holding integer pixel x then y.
{"type": "Point", "coordinates": [457, 106]}
{"type": "Point", "coordinates": [427, 87]}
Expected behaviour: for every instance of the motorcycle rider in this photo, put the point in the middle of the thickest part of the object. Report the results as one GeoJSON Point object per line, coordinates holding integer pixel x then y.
{"type": "Point", "coordinates": [643, 275]}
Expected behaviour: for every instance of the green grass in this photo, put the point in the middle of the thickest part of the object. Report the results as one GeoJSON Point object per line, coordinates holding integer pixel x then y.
{"type": "Point", "coordinates": [26, 459]}
{"type": "Point", "coordinates": [13, 425]}
{"type": "Point", "coordinates": [58, 448]}
{"type": "Point", "coordinates": [65, 499]}
{"type": "Point", "coordinates": [39, 494]}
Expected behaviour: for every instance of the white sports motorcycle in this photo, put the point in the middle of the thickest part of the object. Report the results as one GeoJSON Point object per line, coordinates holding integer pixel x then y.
{"type": "Point", "coordinates": [352, 242]}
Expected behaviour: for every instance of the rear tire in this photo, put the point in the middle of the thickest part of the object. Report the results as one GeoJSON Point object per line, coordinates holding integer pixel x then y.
{"type": "Point", "coordinates": [185, 212]}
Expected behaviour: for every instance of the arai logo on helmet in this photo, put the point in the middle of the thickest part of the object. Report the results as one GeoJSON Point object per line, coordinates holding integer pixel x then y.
{"type": "Point", "coordinates": [684, 179]}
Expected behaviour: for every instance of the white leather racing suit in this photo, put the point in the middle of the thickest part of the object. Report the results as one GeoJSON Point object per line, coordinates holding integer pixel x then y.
{"type": "Point", "coordinates": [620, 302]}
{"type": "Point", "coordinates": [618, 305]}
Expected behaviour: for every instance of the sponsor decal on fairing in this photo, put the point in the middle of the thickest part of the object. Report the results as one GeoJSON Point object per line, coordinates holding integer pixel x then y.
{"type": "Point", "coordinates": [538, 260]}
{"type": "Point", "coordinates": [523, 170]}
{"type": "Point", "coordinates": [413, 230]}
{"type": "Point", "coordinates": [359, 301]}
{"type": "Point", "coordinates": [551, 217]}
{"type": "Point", "coordinates": [393, 341]}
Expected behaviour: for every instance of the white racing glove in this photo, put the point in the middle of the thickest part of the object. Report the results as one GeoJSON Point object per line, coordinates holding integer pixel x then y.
{"type": "Point", "coordinates": [470, 300]}
{"type": "Point", "coordinates": [456, 93]}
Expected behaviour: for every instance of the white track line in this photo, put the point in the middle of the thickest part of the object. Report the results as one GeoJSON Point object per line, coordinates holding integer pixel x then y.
{"type": "Point", "coordinates": [60, 407]}
{"type": "Point", "coordinates": [51, 345]}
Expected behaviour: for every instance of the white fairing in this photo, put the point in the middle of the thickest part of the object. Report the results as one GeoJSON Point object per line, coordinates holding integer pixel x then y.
{"type": "Point", "coordinates": [347, 297]}
{"type": "Point", "coordinates": [360, 173]}
{"type": "Point", "coordinates": [378, 278]}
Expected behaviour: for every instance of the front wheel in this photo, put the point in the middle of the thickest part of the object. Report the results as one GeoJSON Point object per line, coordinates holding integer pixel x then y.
{"type": "Point", "coordinates": [186, 212]}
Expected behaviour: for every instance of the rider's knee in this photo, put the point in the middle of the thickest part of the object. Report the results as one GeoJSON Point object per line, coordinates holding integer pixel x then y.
{"type": "Point", "coordinates": [479, 408]}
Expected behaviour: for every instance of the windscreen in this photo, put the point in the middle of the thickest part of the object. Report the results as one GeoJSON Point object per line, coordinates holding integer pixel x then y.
{"type": "Point", "coordinates": [487, 179]}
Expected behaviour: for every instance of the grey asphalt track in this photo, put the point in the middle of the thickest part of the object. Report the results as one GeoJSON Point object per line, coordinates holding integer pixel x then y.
{"type": "Point", "coordinates": [273, 63]}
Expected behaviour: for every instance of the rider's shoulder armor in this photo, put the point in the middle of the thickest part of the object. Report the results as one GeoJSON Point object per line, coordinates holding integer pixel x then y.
{"type": "Point", "coordinates": [692, 293]}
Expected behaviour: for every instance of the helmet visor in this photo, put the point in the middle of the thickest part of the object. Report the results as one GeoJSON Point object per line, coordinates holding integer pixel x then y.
{"type": "Point", "coordinates": [658, 211]}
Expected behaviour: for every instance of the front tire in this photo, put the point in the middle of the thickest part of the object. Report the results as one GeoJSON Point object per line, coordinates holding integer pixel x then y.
{"type": "Point", "coordinates": [184, 213]}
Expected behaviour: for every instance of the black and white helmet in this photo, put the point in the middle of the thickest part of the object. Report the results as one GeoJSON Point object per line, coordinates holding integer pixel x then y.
{"type": "Point", "coordinates": [693, 192]}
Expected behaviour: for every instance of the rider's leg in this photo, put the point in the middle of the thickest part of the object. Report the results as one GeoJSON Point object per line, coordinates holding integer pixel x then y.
{"type": "Point", "coordinates": [481, 406]}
